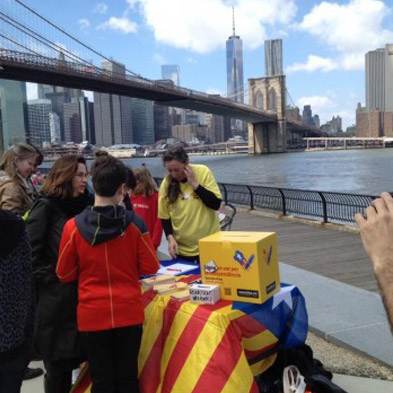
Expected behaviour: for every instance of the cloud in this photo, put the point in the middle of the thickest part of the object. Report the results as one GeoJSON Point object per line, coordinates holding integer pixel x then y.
{"type": "Point", "coordinates": [203, 25]}
{"type": "Point", "coordinates": [331, 104]}
{"type": "Point", "coordinates": [351, 29]}
{"type": "Point", "coordinates": [191, 60]}
{"type": "Point", "coordinates": [84, 23]}
{"type": "Point", "coordinates": [213, 90]}
{"type": "Point", "coordinates": [100, 8]}
{"type": "Point", "coordinates": [317, 102]}
{"type": "Point", "coordinates": [122, 24]}
{"type": "Point", "coordinates": [157, 58]}
{"type": "Point", "coordinates": [313, 63]}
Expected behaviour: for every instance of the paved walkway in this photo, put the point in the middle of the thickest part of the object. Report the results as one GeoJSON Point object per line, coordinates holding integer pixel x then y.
{"type": "Point", "coordinates": [331, 253]}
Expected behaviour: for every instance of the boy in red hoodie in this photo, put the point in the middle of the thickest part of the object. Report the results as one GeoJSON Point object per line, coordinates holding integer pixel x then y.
{"type": "Point", "coordinates": [107, 249]}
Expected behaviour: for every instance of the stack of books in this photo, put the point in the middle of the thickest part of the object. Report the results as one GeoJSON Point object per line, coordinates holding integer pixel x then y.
{"type": "Point", "coordinates": [166, 289]}
{"type": "Point", "coordinates": [158, 280]}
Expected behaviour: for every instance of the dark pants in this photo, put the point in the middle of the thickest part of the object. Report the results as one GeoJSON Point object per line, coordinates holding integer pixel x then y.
{"type": "Point", "coordinates": [113, 359]}
{"type": "Point", "coordinates": [58, 376]}
{"type": "Point", "coordinates": [12, 368]}
{"type": "Point", "coordinates": [193, 259]}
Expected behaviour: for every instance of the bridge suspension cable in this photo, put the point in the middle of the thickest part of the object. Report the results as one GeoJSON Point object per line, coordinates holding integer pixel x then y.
{"type": "Point", "coordinates": [33, 34]}
{"type": "Point", "coordinates": [63, 50]}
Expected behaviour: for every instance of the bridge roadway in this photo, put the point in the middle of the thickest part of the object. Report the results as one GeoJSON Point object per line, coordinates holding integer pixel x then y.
{"type": "Point", "coordinates": [40, 69]}
{"type": "Point", "coordinates": [35, 68]}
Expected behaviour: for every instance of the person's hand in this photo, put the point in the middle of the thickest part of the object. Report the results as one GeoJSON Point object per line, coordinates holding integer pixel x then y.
{"type": "Point", "coordinates": [191, 179]}
{"type": "Point", "coordinates": [172, 246]}
{"type": "Point", "coordinates": [376, 231]}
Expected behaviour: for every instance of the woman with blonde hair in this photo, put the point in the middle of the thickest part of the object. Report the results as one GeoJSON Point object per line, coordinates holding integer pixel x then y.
{"type": "Point", "coordinates": [56, 339]}
{"type": "Point", "coordinates": [144, 200]}
{"type": "Point", "coordinates": [16, 165]}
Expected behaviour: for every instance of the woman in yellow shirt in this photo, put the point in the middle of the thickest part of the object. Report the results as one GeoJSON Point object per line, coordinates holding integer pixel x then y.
{"type": "Point", "coordinates": [188, 199]}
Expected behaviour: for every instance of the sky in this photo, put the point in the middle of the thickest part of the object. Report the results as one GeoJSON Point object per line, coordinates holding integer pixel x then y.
{"type": "Point", "coordinates": [324, 42]}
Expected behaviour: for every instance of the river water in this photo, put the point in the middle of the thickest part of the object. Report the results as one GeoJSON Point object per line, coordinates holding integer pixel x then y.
{"type": "Point", "coordinates": [353, 171]}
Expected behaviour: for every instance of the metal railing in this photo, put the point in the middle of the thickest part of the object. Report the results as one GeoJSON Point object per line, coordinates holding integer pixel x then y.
{"type": "Point", "coordinates": [324, 206]}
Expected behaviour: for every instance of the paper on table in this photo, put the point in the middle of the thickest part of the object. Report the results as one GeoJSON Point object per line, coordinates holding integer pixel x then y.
{"type": "Point", "coordinates": [176, 269]}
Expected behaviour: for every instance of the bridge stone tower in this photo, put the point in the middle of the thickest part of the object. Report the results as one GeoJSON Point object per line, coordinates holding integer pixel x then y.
{"type": "Point", "coordinates": [268, 94]}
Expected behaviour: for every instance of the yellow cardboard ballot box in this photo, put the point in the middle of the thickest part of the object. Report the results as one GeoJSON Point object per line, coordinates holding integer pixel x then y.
{"type": "Point", "coordinates": [244, 264]}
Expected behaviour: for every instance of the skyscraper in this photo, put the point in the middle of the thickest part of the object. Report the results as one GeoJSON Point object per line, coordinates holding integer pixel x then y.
{"type": "Point", "coordinates": [162, 122]}
{"type": "Point", "coordinates": [143, 121]}
{"type": "Point", "coordinates": [215, 125]}
{"type": "Point", "coordinates": [112, 119]}
{"type": "Point", "coordinates": [38, 119]}
{"type": "Point", "coordinates": [13, 121]}
{"type": "Point", "coordinates": [54, 127]}
{"type": "Point", "coordinates": [273, 57]}
{"type": "Point", "coordinates": [59, 96]}
{"type": "Point", "coordinates": [112, 113]}
{"type": "Point", "coordinates": [87, 120]}
{"type": "Point", "coordinates": [171, 72]}
{"type": "Point", "coordinates": [164, 116]}
{"type": "Point", "coordinates": [307, 115]}
{"type": "Point", "coordinates": [234, 45]}
{"type": "Point", "coordinates": [379, 79]}
{"type": "Point", "coordinates": [72, 122]}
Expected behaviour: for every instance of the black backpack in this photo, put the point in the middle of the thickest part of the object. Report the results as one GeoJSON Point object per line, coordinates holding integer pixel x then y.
{"type": "Point", "coordinates": [316, 376]}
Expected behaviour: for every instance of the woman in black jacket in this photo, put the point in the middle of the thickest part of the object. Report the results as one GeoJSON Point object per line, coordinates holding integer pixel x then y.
{"type": "Point", "coordinates": [56, 338]}
{"type": "Point", "coordinates": [16, 306]}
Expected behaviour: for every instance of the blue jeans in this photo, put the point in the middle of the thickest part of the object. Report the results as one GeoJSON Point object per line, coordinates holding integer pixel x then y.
{"type": "Point", "coordinates": [12, 368]}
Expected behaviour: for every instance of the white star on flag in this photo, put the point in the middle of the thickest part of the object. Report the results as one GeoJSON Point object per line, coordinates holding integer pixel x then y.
{"type": "Point", "coordinates": [283, 296]}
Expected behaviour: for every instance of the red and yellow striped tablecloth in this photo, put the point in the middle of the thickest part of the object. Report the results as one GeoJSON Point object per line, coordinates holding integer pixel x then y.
{"type": "Point", "coordinates": [199, 348]}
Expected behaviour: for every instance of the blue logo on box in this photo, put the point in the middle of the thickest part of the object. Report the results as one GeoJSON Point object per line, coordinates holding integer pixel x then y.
{"type": "Point", "coordinates": [242, 260]}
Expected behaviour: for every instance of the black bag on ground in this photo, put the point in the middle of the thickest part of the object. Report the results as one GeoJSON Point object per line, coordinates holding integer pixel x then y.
{"type": "Point", "coordinates": [303, 358]}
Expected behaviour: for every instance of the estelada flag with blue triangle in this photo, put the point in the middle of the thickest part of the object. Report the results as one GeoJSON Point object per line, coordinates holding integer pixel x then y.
{"type": "Point", "coordinates": [218, 348]}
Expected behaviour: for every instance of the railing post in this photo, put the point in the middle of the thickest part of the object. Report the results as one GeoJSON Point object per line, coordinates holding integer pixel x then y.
{"type": "Point", "coordinates": [324, 207]}
{"type": "Point", "coordinates": [251, 198]}
{"type": "Point", "coordinates": [284, 206]}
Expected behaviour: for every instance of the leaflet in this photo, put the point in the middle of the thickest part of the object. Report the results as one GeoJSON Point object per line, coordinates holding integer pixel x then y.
{"type": "Point", "coordinates": [176, 269]}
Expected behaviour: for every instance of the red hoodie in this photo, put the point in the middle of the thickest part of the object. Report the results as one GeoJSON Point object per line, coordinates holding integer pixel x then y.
{"type": "Point", "coordinates": [106, 250]}
{"type": "Point", "coordinates": [146, 207]}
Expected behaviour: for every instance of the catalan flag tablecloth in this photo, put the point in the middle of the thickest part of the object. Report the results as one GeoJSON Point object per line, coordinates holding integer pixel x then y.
{"type": "Point", "coordinates": [214, 349]}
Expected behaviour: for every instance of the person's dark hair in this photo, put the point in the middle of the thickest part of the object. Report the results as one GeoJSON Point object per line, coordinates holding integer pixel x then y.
{"type": "Point", "coordinates": [101, 153]}
{"type": "Point", "coordinates": [108, 174]}
{"type": "Point", "coordinates": [176, 153]}
{"type": "Point", "coordinates": [40, 157]}
{"type": "Point", "coordinates": [131, 180]}
{"type": "Point", "coordinates": [58, 183]}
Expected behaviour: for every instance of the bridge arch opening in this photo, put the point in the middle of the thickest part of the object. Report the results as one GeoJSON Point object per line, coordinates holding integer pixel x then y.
{"type": "Point", "coordinates": [272, 100]}
{"type": "Point", "coordinates": [259, 100]}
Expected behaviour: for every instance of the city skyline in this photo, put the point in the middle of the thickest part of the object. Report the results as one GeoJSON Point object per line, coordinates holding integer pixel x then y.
{"type": "Point", "coordinates": [323, 53]}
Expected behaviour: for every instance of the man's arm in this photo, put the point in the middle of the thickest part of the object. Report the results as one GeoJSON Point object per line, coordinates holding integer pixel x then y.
{"type": "Point", "coordinates": [376, 231]}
